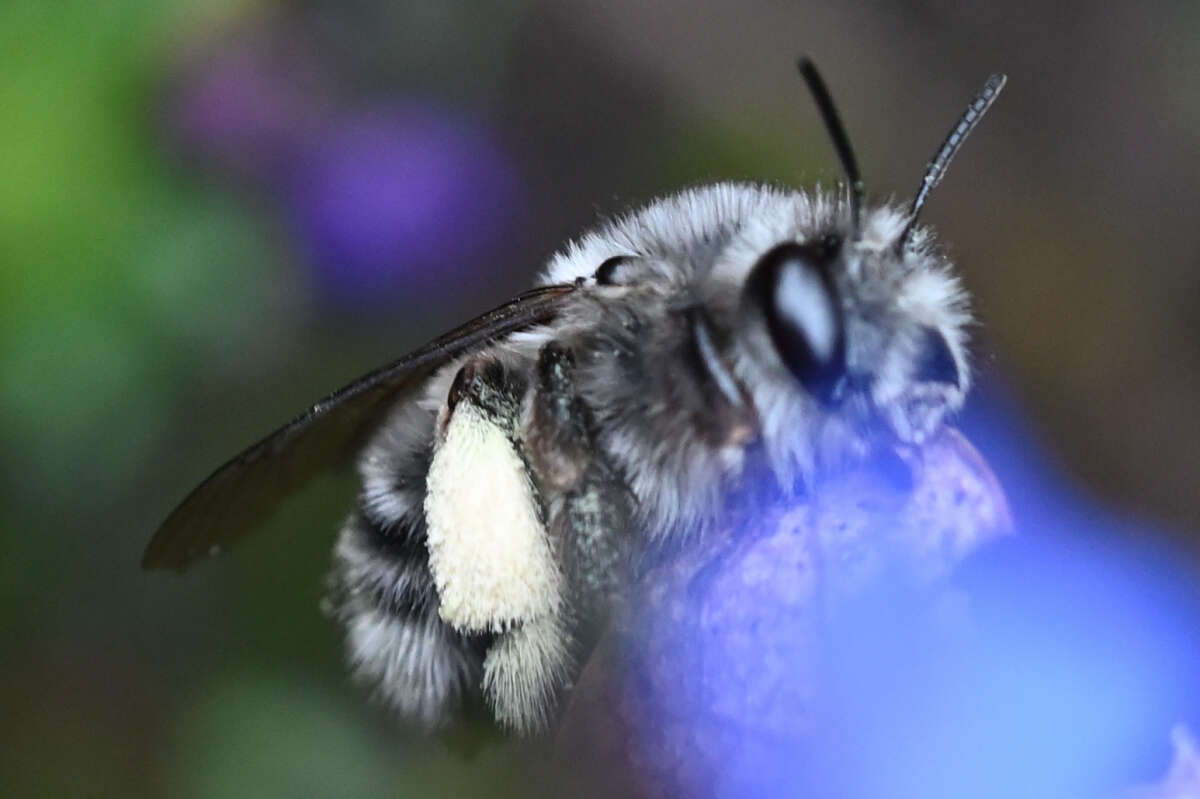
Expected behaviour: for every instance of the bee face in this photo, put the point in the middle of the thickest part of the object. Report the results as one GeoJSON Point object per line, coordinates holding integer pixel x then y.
{"type": "Point", "coordinates": [873, 335]}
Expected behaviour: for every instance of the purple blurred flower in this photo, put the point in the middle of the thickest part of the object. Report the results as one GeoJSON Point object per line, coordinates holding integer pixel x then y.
{"type": "Point", "coordinates": [248, 102]}
{"type": "Point", "coordinates": [379, 193]}
{"type": "Point", "coordinates": [407, 193]}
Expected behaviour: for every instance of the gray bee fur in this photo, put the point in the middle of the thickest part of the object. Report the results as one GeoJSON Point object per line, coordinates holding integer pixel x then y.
{"type": "Point", "coordinates": [634, 443]}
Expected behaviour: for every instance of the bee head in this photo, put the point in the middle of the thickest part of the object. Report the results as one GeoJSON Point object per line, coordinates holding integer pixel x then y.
{"type": "Point", "coordinates": [736, 320]}
{"type": "Point", "coordinates": [866, 313]}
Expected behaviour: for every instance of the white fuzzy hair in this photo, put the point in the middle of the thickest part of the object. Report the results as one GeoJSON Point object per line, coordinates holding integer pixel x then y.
{"type": "Point", "coordinates": [488, 549]}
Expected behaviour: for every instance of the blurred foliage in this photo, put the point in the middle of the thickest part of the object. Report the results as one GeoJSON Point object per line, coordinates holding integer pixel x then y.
{"type": "Point", "coordinates": [112, 268]}
{"type": "Point", "coordinates": [161, 304]}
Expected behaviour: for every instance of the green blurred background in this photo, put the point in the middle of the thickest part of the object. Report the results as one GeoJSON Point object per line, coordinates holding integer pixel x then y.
{"type": "Point", "coordinates": [213, 213]}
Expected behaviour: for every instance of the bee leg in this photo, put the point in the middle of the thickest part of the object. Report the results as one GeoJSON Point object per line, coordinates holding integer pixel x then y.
{"type": "Point", "coordinates": [525, 671]}
{"type": "Point", "coordinates": [529, 667]}
{"type": "Point", "coordinates": [493, 564]}
{"type": "Point", "coordinates": [488, 551]}
{"type": "Point", "coordinates": [592, 522]}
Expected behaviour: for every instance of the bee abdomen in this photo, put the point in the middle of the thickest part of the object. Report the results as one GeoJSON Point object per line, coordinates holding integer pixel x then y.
{"type": "Point", "coordinates": [384, 595]}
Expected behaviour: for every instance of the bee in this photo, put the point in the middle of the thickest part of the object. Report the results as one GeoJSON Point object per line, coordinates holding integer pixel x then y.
{"type": "Point", "coordinates": [520, 471]}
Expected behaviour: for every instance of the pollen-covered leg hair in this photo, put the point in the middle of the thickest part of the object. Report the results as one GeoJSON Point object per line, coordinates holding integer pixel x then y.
{"type": "Point", "coordinates": [488, 549]}
{"type": "Point", "coordinates": [525, 671]}
{"type": "Point", "coordinates": [529, 666]}
{"type": "Point", "coordinates": [383, 593]}
{"type": "Point", "coordinates": [494, 565]}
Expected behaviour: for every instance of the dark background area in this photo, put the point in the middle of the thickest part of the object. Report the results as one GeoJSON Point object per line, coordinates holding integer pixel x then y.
{"type": "Point", "coordinates": [212, 214]}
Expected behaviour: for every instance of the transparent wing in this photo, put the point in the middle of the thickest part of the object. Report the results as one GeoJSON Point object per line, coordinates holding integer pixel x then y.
{"type": "Point", "coordinates": [248, 488]}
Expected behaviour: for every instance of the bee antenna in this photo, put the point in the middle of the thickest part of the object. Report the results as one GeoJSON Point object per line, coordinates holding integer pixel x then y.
{"type": "Point", "coordinates": [958, 134]}
{"type": "Point", "coordinates": [841, 142]}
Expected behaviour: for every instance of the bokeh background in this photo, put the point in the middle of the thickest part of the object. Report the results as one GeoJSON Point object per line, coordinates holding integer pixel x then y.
{"type": "Point", "coordinates": [213, 213]}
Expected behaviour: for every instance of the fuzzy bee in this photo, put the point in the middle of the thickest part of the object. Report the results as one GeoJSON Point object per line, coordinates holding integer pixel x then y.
{"type": "Point", "coordinates": [519, 472]}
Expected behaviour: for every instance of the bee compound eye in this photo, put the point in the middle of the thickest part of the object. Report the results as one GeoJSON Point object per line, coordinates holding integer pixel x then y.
{"type": "Point", "coordinates": [609, 272]}
{"type": "Point", "coordinates": [792, 287]}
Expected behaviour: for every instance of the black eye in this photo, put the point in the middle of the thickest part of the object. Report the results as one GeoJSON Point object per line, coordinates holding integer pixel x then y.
{"type": "Point", "coordinates": [935, 364]}
{"type": "Point", "coordinates": [606, 273]}
{"type": "Point", "coordinates": [792, 286]}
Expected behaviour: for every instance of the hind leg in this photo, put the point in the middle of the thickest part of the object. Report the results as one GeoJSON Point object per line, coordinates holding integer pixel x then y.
{"type": "Point", "coordinates": [587, 505]}
{"type": "Point", "coordinates": [494, 566]}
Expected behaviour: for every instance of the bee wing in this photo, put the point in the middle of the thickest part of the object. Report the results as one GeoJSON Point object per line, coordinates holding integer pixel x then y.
{"type": "Point", "coordinates": [248, 488]}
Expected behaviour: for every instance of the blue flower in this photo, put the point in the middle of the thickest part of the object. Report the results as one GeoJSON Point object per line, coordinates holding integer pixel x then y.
{"type": "Point", "coordinates": [407, 195]}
